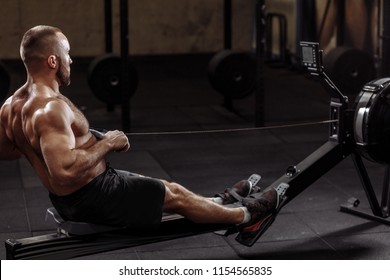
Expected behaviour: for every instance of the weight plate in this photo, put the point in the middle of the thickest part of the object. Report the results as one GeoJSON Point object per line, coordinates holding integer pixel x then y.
{"type": "Point", "coordinates": [233, 73]}
{"type": "Point", "coordinates": [104, 78]}
{"type": "Point", "coordinates": [349, 69]}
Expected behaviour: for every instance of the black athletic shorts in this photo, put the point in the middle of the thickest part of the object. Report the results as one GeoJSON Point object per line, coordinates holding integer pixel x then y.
{"type": "Point", "coordinates": [116, 198]}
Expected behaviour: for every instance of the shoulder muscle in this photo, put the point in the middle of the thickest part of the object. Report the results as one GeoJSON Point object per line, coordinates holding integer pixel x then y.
{"type": "Point", "coordinates": [54, 116]}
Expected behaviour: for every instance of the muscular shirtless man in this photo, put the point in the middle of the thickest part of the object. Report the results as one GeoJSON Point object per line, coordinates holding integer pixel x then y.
{"type": "Point", "coordinates": [41, 124]}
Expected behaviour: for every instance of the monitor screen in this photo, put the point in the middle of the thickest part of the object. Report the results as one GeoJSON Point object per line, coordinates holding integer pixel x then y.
{"type": "Point", "coordinates": [307, 54]}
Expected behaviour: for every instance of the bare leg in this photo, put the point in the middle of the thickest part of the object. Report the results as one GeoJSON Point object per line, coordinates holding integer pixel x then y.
{"type": "Point", "coordinates": [198, 209]}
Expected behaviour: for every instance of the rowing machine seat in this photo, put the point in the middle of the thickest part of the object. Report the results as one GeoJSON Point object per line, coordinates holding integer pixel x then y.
{"type": "Point", "coordinates": [75, 228]}
{"type": "Point", "coordinates": [81, 228]}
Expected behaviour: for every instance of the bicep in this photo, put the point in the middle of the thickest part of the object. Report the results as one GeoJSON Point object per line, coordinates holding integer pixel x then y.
{"type": "Point", "coordinates": [56, 146]}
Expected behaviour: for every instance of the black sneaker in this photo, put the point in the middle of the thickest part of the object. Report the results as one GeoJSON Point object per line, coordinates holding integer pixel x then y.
{"type": "Point", "coordinates": [240, 190]}
{"type": "Point", "coordinates": [236, 193]}
{"type": "Point", "coordinates": [262, 210]}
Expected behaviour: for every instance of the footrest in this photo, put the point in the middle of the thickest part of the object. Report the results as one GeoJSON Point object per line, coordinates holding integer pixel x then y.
{"type": "Point", "coordinates": [254, 179]}
{"type": "Point", "coordinates": [75, 228]}
{"type": "Point", "coordinates": [248, 239]}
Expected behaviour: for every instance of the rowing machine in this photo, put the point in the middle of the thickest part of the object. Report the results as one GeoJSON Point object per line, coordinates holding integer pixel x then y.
{"type": "Point", "coordinates": [362, 131]}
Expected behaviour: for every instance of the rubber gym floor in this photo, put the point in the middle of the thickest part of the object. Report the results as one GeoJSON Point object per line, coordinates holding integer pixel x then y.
{"type": "Point", "coordinates": [174, 95]}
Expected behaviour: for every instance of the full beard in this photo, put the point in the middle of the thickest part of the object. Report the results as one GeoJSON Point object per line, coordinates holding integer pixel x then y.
{"type": "Point", "coordinates": [63, 76]}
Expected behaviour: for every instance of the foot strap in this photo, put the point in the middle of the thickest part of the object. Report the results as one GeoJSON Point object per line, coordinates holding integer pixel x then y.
{"type": "Point", "coordinates": [234, 194]}
{"type": "Point", "coordinates": [253, 179]}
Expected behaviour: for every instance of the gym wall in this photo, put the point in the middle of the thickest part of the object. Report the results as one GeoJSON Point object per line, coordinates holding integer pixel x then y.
{"type": "Point", "coordinates": [156, 26]}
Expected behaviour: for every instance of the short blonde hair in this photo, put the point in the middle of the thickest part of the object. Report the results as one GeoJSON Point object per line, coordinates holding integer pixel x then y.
{"type": "Point", "coordinates": [37, 42]}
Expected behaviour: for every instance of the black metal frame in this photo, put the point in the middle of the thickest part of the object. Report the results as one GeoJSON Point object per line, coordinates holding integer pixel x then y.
{"type": "Point", "coordinates": [339, 146]}
{"type": "Point", "coordinates": [282, 24]}
{"type": "Point", "coordinates": [61, 245]}
{"type": "Point", "coordinates": [380, 212]}
{"type": "Point", "coordinates": [124, 49]}
{"type": "Point", "coordinates": [227, 24]}
{"type": "Point", "coordinates": [124, 54]}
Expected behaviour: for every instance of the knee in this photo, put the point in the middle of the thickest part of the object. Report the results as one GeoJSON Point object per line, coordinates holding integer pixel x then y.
{"type": "Point", "coordinates": [177, 191]}
{"type": "Point", "coordinates": [175, 196]}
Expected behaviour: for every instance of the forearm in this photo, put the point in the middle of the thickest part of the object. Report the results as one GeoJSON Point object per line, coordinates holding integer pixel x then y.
{"type": "Point", "coordinates": [66, 161]}
{"type": "Point", "coordinates": [82, 160]}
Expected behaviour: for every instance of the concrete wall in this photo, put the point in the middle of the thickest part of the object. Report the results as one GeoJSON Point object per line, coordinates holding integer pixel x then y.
{"type": "Point", "coordinates": [156, 26]}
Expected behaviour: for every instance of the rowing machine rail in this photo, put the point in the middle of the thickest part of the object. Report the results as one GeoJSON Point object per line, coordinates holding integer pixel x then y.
{"type": "Point", "coordinates": [75, 239]}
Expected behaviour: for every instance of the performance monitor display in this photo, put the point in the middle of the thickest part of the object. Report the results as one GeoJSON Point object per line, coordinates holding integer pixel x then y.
{"type": "Point", "coordinates": [307, 55]}
{"type": "Point", "coordinates": [311, 56]}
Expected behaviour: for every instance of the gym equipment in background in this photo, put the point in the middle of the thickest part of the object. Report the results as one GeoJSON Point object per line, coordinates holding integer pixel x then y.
{"type": "Point", "coordinates": [349, 69]}
{"type": "Point", "coordinates": [122, 79]}
{"type": "Point", "coordinates": [5, 82]}
{"type": "Point", "coordinates": [245, 75]}
{"type": "Point", "coordinates": [279, 59]}
{"type": "Point", "coordinates": [232, 73]}
{"type": "Point", "coordinates": [104, 79]}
